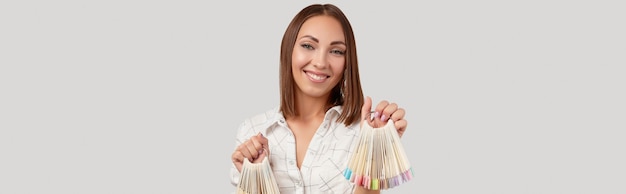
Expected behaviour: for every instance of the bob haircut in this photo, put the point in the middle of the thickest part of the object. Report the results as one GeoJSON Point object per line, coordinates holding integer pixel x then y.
{"type": "Point", "coordinates": [348, 92]}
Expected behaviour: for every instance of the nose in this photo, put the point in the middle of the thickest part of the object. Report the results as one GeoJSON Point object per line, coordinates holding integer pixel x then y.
{"type": "Point", "coordinates": [320, 60]}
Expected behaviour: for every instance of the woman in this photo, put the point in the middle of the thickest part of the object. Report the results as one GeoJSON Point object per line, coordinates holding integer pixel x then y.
{"type": "Point", "coordinates": [309, 138]}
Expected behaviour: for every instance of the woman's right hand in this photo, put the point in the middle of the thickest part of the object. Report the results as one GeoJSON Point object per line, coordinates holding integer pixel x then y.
{"type": "Point", "coordinates": [254, 150]}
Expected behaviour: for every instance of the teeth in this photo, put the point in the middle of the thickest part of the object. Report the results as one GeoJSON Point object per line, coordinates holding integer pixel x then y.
{"type": "Point", "coordinates": [316, 77]}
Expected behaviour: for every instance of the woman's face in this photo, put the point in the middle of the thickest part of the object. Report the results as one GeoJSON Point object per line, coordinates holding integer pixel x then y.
{"type": "Point", "coordinates": [318, 57]}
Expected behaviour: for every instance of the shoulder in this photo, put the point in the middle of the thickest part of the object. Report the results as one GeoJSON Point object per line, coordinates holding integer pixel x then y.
{"type": "Point", "coordinates": [260, 122]}
{"type": "Point", "coordinates": [335, 112]}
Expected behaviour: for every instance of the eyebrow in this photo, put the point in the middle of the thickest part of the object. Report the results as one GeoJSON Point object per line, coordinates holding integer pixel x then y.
{"type": "Point", "coordinates": [318, 41]}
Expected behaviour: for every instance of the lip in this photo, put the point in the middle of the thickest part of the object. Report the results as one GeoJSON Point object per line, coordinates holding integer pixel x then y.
{"type": "Point", "coordinates": [316, 80]}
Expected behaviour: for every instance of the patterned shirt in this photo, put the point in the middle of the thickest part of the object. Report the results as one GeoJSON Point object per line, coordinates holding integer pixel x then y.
{"type": "Point", "coordinates": [324, 163]}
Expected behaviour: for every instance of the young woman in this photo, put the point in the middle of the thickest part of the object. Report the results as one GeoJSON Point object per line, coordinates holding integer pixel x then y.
{"type": "Point", "coordinates": [310, 136]}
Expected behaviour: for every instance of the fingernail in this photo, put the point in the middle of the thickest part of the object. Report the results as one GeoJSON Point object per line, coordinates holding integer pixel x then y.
{"type": "Point", "coordinates": [376, 114]}
{"type": "Point", "coordinates": [260, 152]}
{"type": "Point", "coordinates": [383, 118]}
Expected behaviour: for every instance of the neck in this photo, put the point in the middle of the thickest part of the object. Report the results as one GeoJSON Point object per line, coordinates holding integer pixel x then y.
{"type": "Point", "coordinates": [311, 107]}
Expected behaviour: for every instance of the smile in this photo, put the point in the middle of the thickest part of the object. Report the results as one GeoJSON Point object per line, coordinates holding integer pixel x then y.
{"type": "Point", "coordinates": [316, 77]}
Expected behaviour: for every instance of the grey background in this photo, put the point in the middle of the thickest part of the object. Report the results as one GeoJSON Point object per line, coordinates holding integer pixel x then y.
{"type": "Point", "coordinates": [145, 96]}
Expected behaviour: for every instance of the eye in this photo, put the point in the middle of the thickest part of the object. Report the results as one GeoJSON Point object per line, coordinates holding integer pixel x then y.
{"type": "Point", "coordinates": [307, 46]}
{"type": "Point", "coordinates": [337, 52]}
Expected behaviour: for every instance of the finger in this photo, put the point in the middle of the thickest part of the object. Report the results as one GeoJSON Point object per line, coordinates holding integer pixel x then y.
{"type": "Point", "coordinates": [400, 126]}
{"type": "Point", "coordinates": [266, 146]}
{"type": "Point", "coordinates": [261, 140]}
{"type": "Point", "coordinates": [379, 108]}
{"type": "Point", "coordinates": [253, 149]}
{"type": "Point", "coordinates": [245, 151]}
{"type": "Point", "coordinates": [366, 109]}
{"type": "Point", "coordinates": [387, 111]}
{"type": "Point", "coordinates": [264, 153]}
{"type": "Point", "coordinates": [397, 115]}
{"type": "Point", "coordinates": [237, 158]}
{"type": "Point", "coordinates": [259, 143]}
{"type": "Point", "coordinates": [258, 149]}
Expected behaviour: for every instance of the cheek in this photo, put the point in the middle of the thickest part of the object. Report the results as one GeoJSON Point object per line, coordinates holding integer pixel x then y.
{"type": "Point", "coordinates": [338, 65]}
{"type": "Point", "coordinates": [338, 69]}
{"type": "Point", "coordinates": [298, 59]}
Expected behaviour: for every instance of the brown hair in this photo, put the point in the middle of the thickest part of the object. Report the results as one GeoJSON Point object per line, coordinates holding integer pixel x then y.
{"type": "Point", "coordinates": [347, 92]}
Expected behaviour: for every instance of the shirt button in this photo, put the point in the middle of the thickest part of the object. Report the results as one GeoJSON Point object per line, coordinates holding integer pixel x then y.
{"type": "Point", "coordinates": [291, 162]}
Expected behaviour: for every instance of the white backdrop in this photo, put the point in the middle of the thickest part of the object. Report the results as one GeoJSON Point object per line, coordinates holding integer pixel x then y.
{"type": "Point", "coordinates": [145, 96]}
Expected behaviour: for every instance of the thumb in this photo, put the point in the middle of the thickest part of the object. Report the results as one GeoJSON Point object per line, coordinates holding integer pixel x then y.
{"type": "Point", "coordinates": [366, 109]}
{"type": "Point", "coordinates": [263, 140]}
{"type": "Point", "coordinates": [264, 153]}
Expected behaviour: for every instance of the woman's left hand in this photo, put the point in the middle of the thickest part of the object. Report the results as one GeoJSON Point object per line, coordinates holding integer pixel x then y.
{"type": "Point", "coordinates": [383, 112]}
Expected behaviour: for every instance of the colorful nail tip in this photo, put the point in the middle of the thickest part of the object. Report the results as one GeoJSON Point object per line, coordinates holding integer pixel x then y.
{"type": "Point", "coordinates": [375, 184]}
{"type": "Point", "coordinates": [358, 180]}
{"type": "Point", "coordinates": [347, 173]}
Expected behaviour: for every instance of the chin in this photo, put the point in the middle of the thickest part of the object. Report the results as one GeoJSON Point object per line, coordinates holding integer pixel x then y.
{"type": "Point", "coordinates": [316, 93]}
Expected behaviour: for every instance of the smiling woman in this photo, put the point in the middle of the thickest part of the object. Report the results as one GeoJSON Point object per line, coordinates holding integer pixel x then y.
{"type": "Point", "coordinates": [309, 138]}
{"type": "Point", "coordinates": [318, 66]}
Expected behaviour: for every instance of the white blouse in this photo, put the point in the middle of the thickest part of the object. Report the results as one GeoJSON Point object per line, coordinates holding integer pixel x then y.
{"type": "Point", "coordinates": [324, 163]}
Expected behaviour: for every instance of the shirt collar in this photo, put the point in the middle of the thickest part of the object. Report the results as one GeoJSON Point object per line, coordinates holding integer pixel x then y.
{"type": "Point", "coordinates": [276, 117]}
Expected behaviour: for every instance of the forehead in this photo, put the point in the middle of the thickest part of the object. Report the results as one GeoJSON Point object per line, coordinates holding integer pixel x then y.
{"type": "Point", "coordinates": [322, 27]}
